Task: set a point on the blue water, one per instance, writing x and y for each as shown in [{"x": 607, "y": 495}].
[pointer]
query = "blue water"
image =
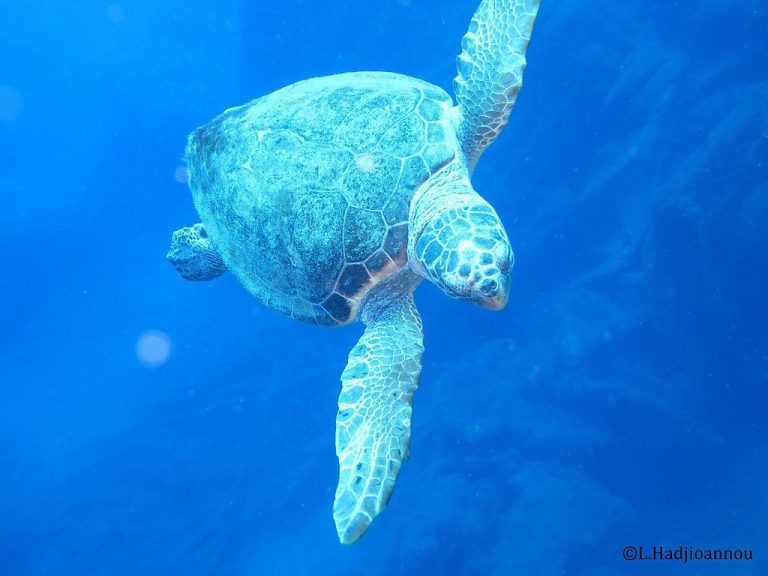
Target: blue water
[{"x": 619, "y": 400}]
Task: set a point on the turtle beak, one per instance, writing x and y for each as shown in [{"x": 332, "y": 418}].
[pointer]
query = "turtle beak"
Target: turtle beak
[
  {"x": 493, "y": 294},
  {"x": 496, "y": 303}
]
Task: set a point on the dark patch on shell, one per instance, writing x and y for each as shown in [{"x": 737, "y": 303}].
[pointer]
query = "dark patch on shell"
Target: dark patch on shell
[
  {"x": 338, "y": 307},
  {"x": 353, "y": 278},
  {"x": 377, "y": 262}
]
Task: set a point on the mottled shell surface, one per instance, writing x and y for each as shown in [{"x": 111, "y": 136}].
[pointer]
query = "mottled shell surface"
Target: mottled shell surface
[{"x": 305, "y": 192}]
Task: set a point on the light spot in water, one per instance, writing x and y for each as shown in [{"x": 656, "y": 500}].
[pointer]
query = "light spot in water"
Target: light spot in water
[
  {"x": 153, "y": 348},
  {"x": 365, "y": 163},
  {"x": 11, "y": 104},
  {"x": 181, "y": 175}
]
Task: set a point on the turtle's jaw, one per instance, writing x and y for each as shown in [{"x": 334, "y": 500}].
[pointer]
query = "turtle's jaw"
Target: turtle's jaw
[
  {"x": 490, "y": 290},
  {"x": 496, "y": 302},
  {"x": 492, "y": 293},
  {"x": 490, "y": 282}
]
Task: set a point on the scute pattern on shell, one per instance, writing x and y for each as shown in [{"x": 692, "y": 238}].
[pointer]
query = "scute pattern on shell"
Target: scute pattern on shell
[{"x": 305, "y": 192}]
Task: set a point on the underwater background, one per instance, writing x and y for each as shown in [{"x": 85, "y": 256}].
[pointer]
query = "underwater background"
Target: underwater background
[{"x": 154, "y": 426}]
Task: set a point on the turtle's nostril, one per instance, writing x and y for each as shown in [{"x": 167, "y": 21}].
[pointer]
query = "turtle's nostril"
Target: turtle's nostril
[{"x": 489, "y": 287}]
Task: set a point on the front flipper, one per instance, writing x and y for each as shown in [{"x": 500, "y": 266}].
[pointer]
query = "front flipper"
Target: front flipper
[
  {"x": 373, "y": 426},
  {"x": 490, "y": 70},
  {"x": 193, "y": 256}
]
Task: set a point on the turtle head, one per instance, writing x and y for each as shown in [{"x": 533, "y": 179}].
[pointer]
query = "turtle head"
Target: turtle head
[
  {"x": 192, "y": 255},
  {"x": 464, "y": 249}
]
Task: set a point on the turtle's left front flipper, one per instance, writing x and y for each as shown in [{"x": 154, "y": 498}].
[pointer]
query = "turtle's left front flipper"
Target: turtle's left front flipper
[
  {"x": 373, "y": 426},
  {"x": 490, "y": 70}
]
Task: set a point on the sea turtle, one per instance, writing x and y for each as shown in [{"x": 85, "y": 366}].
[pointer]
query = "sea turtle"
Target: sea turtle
[{"x": 331, "y": 199}]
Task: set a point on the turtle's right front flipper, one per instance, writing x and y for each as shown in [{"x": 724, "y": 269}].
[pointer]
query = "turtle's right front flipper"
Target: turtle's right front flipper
[
  {"x": 193, "y": 256},
  {"x": 373, "y": 426}
]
